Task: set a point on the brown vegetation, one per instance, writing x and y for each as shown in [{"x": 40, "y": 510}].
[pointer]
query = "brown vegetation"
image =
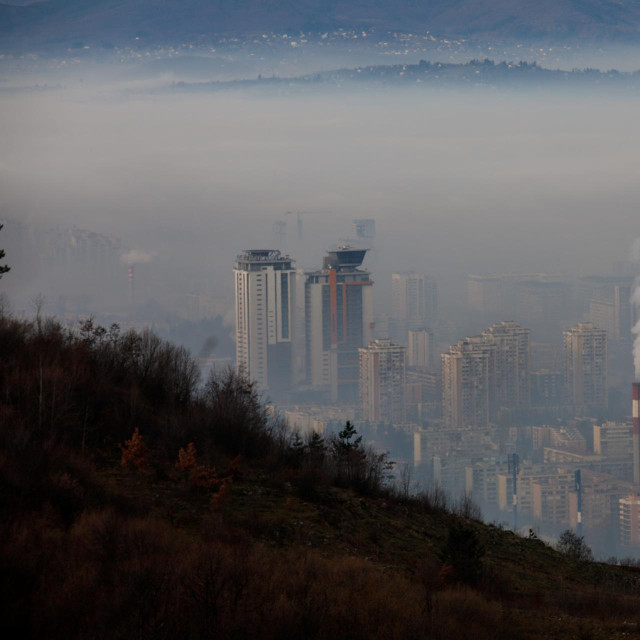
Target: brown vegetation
[{"x": 253, "y": 532}]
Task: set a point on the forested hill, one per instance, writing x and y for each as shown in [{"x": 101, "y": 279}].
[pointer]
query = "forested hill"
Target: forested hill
[
  {"x": 476, "y": 73},
  {"x": 175, "y": 21},
  {"x": 136, "y": 502}
]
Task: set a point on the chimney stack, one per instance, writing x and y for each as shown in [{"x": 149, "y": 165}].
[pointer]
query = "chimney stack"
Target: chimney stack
[{"x": 636, "y": 433}]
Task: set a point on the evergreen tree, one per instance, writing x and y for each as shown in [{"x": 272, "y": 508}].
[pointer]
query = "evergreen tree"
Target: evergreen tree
[
  {"x": 463, "y": 551},
  {"x": 317, "y": 448},
  {"x": 347, "y": 440},
  {"x": 297, "y": 450}
]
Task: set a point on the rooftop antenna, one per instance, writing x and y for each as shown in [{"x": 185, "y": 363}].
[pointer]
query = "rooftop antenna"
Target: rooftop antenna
[{"x": 578, "y": 487}]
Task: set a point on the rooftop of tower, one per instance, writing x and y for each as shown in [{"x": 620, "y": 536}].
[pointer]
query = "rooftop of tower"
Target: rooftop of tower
[
  {"x": 254, "y": 259},
  {"x": 344, "y": 257}
]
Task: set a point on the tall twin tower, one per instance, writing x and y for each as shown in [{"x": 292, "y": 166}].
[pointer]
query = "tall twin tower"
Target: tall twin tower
[{"x": 338, "y": 312}]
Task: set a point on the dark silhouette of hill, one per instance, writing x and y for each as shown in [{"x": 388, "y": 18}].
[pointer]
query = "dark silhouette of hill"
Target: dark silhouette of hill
[
  {"x": 476, "y": 73},
  {"x": 52, "y": 22},
  {"x": 136, "y": 503}
]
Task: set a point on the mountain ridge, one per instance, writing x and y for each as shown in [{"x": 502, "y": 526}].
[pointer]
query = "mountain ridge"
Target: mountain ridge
[{"x": 61, "y": 22}]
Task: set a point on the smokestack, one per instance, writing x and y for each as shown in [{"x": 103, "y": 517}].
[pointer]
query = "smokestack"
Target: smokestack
[
  {"x": 636, "y": 433},
  {"x": 131, "y": 290}
]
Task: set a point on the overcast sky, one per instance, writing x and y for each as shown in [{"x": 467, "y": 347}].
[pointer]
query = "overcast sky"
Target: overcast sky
[{"x": 458, "y": 181}]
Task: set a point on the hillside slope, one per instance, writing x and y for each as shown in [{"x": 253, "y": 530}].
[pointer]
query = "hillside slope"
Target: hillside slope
[
  {"x": 135, "y": 503},
  {"x": 174, "y": 21}
]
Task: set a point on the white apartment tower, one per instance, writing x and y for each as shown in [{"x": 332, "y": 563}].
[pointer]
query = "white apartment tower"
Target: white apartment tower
[
  {"x": 339, "y": 320},
  {"x": 585, "y": 365},
  {"x": 382, "y": 378},
  {"x": 265, "y": 303}
]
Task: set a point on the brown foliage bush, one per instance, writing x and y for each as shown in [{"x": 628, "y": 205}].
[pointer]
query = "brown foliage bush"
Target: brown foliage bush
[
  {"x": 222, "y": 496},
  {"x": 110, "y": 576},
  {"x": 464, "y": 614},
  {"x": 135, "y": 453},
  {"x": 187, "y": 458}
]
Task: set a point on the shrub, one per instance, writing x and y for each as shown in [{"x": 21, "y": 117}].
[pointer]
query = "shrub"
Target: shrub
[
  {"x": 464, "y": 614},
  {"x": 235, "y": 417},
  {"x": 464, "y": 552},
  {"x": 135, "y": 453},
  {"x": 574, "y": 546},
  {"x": 187, "y": 458}
]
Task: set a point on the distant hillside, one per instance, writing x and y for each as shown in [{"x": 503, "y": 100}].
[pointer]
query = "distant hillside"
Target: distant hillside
[
  {"x": 476, "y": 73},
  {"x": 63, "y": 22}
]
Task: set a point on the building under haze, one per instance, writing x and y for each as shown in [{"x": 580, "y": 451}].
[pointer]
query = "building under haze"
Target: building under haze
[
  {"x": 484, "y": 373},
  {"x": 413, "y": 303},
  {"x": 607, "y": 299},
  {"x": 585, "y": 365},
  {"x": 486, "y": 293},
  {"x": 547, "y": 388},
  {"x": 365, "y": 229},
  {"x": 382, "y": 380},
  {"x": 629, "y": 523},
  {"x": 265, "y": 300},
  {"x": 468, "y": 385},
  {"x": 339, "y": 321},
  {"x": 512, "y": 372},
  {"x": 540, "y": 298},
  {"x": 422, "y": 349}
]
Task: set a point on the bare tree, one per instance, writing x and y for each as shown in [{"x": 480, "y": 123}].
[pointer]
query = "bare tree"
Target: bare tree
[
  {"x": 3, "y": 267},
  {"x": 405, "y": 479}
]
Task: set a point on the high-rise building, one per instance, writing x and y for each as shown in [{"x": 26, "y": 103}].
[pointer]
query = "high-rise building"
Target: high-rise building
[
  {"x": 608, "y": 301},
  {"x": 512, "y": 377},
  {"x": 265, "y": 301},
  {"x": 612, "y": 439},
  {"x": 547, "y": 388},
  {"x": 585, "y": 360},
  {"x": 421, "y": 349},
  {"x": 382, "y": 380},
  {"x": 339, "y": 321},
  {"x": 414, "y": 302},
  {"x": 539, "y": 298},
  {"x": 629, "y": 531},
  {"x": 542, "y": 303},
  {"x": 365, "y": 229},
  {"x": 468, "y": 382},
  {"x": 299, "y": 372},
  {"x": 486, "y": 293}
]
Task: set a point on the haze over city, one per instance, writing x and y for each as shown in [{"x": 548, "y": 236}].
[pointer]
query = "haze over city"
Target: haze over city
[{"x": 410, "y": 233}]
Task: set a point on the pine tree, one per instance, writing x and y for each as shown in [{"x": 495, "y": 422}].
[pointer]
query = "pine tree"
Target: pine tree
[
  {"x": 297, "y": 450},
  {"x": 347, "y": 437},
  {"x": 317, "y": 448},
  {"x": 349, "y": 457},
  {"x": 464, "y": 552}
]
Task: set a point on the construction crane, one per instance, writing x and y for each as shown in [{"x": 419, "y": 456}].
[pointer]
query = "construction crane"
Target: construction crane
[
  {"x": 578, "y": 489},
  {"x": 299, "y": 215},
  {"x": 279, "y": 230}
]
